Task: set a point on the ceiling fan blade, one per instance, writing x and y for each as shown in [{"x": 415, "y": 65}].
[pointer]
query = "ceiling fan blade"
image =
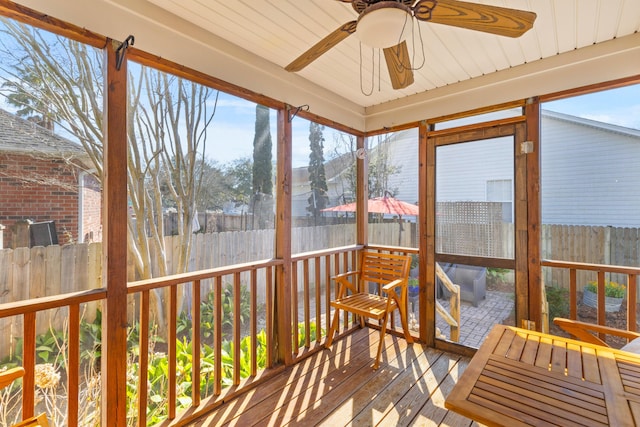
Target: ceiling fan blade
[
  {"x": 399, "y": 65},
  {"x": 480, "y": 17},
  {"x": 322, "y": 46}
]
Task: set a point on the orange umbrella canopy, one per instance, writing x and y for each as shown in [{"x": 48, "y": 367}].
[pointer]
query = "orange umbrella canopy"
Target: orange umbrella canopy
[{"x": 383, "y": 205}]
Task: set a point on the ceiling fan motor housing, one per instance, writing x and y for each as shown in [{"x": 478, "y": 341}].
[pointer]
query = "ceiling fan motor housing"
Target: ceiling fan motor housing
[{"x": 383, "y": 24}]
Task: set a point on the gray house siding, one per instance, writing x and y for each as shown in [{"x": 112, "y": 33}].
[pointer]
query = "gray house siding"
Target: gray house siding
[
  {"x": 590, "y": 172},
  {"x": 463, "y": 170},
  {"x": 403, "y": 153}
]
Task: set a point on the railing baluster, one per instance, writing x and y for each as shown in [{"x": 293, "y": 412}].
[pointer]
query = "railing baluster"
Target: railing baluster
[
  {"x": 217, "y": 335},
  {"x": 254, "y": 320},
  {"x": 318, "y": 297},
  {"x": 345, "y": 313},
  {"x": 307, "y": 308},
  {"x": 236, "y": 328},
  {"x": 270, "y": 302},
  {"x": 29, "y": 365},
  {"x": 601, "y": 301},
  {"x": 172, "y": 351},
  {"x": 294, "y": 304},
  {"x": 143, "y": 343},
  {"x": 327, "y": 301},
  {"x": 73, "y": 376},
  {"x": 195, "y": 343},
  {"x": 573, "y": 299},
  {"x": 601, "y": 270},
  {"x": 632, "y": 300},
  {"x": 332, "y": 283}
]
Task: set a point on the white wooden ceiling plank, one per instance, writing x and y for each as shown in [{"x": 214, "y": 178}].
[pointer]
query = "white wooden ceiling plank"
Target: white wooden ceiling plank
[
  {"x": 280, "y": 30},
  {"x": 449, "y": 68},
  {"x": 565, "y": 24},
  {"x": 587, "y": 12},
  {"x": 608, "y": 19},
  {"x": 629, "y": 18},
  {"x": 544, "y": 30}
]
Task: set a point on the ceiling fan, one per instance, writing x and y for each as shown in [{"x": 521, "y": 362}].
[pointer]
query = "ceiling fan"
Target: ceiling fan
[{"x": 381, "y": 24}]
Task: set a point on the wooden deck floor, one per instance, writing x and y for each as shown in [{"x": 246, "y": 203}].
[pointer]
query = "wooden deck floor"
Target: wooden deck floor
[{"x": 338, "y": 387}]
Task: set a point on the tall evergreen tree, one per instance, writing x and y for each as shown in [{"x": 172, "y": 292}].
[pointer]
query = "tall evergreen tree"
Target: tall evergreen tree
[
  {"x": 318, "y": 199},
  {"x": 262, "y": 153}
]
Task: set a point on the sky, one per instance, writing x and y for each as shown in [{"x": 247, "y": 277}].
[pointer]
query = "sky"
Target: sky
[
  {"x": 235, "y": 121},
  {"x": 616, "y": 106}
]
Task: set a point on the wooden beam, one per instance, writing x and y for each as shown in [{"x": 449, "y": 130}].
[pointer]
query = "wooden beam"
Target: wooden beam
[
  {"x": 114, "y": 318},
  {"x": 41, "y": 20}
]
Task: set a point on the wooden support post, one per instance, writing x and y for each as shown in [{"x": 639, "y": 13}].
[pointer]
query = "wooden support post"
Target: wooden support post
[
  {"x": 534, "y": 219},
  {"x": 362, "y": 194},
  {"x": 427, "y": 244},
  {"x": 528, "y": 295},
  {"x": 282, "y": 308},
  {"x": 114, "y": 319}
]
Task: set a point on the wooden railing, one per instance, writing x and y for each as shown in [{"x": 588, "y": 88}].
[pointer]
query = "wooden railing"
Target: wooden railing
[
  {"x": 452, "y": 317},
  {"x": 601, "y": 271},
  {"x": 144, "y": 289},
  {"x": 236, "y": 366},
  {"x": 312, "y": 290}
]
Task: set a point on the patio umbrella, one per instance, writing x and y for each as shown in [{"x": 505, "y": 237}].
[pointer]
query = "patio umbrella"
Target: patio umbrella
[{"x": 382, "y": 205}]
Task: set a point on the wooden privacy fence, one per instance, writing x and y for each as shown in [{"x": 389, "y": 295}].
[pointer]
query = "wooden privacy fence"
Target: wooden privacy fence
[
  {"x": 27, "y": 273},
  {"x": 588, "y": 244}
]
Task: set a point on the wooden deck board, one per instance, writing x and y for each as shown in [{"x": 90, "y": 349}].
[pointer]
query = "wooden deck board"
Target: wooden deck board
[{"x": 338, "y": 387}]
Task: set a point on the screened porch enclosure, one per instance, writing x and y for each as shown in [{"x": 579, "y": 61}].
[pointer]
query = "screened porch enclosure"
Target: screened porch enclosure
[{"x": 192, "y": 282}]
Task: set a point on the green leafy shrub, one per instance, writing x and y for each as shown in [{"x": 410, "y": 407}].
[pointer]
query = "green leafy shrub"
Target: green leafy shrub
[
  {"x": 611, "y": 289},
  {"x": 558, "y": 299},
  {"x": 207, "y": 312}
]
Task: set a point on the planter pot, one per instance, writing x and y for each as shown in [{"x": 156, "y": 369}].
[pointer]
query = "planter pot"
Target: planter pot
[{"x": 611, "y": 304}]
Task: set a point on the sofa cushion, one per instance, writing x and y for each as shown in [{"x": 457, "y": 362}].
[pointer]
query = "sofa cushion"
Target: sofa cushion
[{"x": 633, "y": 346}]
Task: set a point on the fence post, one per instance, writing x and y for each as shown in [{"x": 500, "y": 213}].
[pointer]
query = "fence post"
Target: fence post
[{"x": 21, "y": 237}]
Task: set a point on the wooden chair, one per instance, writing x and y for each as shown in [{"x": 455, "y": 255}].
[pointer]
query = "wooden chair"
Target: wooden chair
[
  {"x": 588, "y": 332},
  {"x": 389, "y": 273},
  {"x": 6, "y": 378}
]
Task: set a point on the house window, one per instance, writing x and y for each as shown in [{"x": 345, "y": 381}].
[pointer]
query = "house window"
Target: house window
[{"x": 501, "y": 190}]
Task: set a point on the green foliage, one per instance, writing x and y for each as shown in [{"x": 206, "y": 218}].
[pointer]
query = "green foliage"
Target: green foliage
[
  {"x": 262, "y": 148},
  {"x": 91, "y": 338},
  {"x": 497, "y": 273},
  {"x": 302, "y": 333},
  {"x": 318, "y": 199},
  {"x": 558, "y": 299},
  {"x": 415, "y": 260},
  {"x": 207, "y": 320},
  {"x": 611, "y": 289},
  {"x": 239, "y": 175},
  {"x": 51, "y": 349}
]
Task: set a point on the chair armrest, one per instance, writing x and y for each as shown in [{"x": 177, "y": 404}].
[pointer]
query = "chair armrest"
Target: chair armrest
[
  {"x": 342, "y": 275},
  {"x": 390, "y": 287},
  {"x": 585, "y": 331},
  {"x": 341, "y": 279},
  {"x": 8, "y": 376}
]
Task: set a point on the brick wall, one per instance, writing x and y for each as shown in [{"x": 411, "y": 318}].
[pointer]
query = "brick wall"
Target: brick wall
[
  {"x": 91, "y": 209},
  {"x": 44, "y": 189}
]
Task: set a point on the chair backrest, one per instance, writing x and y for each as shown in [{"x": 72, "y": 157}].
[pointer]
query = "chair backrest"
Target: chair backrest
[{"x": 384, "y": 268}]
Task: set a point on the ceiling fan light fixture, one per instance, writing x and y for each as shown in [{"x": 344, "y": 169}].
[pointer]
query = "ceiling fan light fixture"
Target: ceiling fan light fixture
[{"x": 382, "y": 24}]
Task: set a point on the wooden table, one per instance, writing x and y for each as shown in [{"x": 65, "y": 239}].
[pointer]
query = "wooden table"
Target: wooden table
[{"x": 520, "y": 377}]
